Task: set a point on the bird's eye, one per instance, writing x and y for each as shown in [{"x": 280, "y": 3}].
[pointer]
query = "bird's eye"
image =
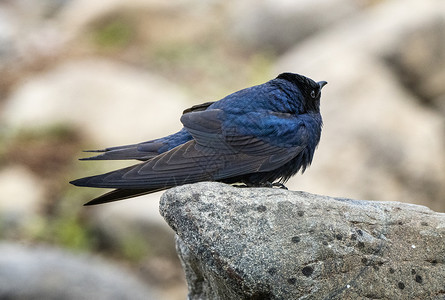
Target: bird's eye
[{"x": 313, "y": 94}]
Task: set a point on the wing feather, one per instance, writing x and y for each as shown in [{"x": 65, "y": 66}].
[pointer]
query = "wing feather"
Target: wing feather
[{"x": 211, "y": 155}]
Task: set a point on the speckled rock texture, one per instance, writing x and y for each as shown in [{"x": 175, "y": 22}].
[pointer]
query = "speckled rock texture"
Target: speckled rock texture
[{"x": 262, "y": 243}]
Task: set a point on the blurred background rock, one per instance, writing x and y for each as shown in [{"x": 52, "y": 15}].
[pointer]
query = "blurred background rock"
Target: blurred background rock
[{"x": 81, "y": 74}]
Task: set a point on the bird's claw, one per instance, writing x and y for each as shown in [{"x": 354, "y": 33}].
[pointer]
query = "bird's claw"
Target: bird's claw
[
  {"x": 265, "y": 184},
  {"x": 279, "y": 185},
  {"x": 242, "y": 185}
]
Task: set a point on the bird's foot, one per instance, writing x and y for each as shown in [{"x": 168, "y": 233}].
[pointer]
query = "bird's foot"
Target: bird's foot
[
  {"x": 241, "y": 185},
  {"x": 273, "y": 185},
  {"x": 265, "y": 184},
  {"x": 279, "y": 185}
]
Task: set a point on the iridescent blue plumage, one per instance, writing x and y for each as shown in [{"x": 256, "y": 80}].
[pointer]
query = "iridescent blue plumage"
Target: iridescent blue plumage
[{"x": 255, "y": 136}]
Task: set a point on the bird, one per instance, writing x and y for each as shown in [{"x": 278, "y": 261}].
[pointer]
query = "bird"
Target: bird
[{"x": 256, "y": 137}]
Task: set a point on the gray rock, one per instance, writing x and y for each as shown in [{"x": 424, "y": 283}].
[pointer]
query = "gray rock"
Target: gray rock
[
  {"x": 247, "y": 243},
  {"x": 47, "y": 273}
]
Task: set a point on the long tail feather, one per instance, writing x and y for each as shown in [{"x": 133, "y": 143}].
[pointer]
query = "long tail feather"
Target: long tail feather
[{"x": 120, "y": 194}]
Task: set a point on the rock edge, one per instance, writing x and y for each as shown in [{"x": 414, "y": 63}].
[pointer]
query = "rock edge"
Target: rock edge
[{"x": 260, "y": 243}]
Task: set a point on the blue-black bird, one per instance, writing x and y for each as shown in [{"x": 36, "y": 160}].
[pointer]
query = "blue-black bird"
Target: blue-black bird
[{"x": 258, "y": 136}]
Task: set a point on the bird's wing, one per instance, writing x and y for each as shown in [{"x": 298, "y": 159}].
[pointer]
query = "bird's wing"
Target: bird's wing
[
  {"x": 183, "y": 164},
  {"x": 119, "y": 194},
  {"x": 244, "y": 149},
  {"x": 146, "y": 150},
  {"x": 142, "y": 151},
  {"x": 211, "y": 155},
  {"x": 198, "y": 107}
]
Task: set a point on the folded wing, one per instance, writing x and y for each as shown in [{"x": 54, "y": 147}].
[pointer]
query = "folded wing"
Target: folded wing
[{"x": 211, "y": 155}]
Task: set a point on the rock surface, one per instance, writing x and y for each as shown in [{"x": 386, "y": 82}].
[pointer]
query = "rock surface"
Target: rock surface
[
  {"x": 239, "y": 243},
  {"x": 49, "y": 273}
]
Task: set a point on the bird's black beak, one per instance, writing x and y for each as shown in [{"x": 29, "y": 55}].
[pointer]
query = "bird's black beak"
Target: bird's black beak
[{"x": 322, "y": 84}]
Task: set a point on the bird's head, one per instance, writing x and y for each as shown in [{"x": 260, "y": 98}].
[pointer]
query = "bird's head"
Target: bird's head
[{"x": 309, "y": 90}]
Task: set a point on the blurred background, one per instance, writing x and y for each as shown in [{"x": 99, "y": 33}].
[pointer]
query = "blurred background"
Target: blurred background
[{"x": 82, "y": 74}]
